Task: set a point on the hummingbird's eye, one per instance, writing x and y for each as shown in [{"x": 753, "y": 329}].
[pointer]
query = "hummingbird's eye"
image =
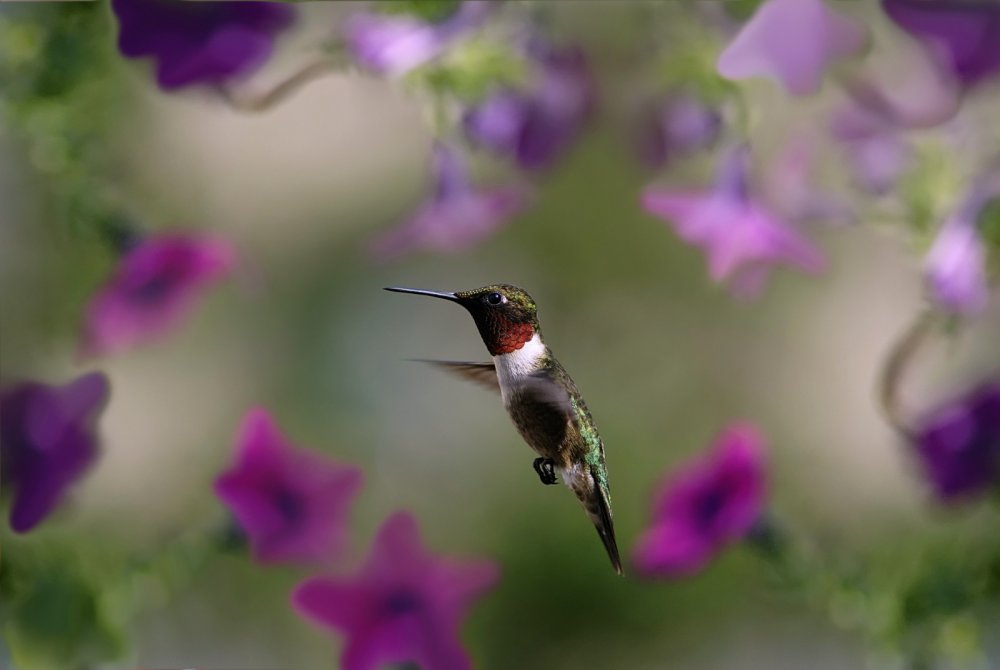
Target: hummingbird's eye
[{"x": 495, "y": 298}]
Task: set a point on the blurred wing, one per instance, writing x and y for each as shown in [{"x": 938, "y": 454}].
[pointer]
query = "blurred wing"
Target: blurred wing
[
  {"x": 546, "y": 407},
  {"x": 546, "y": 392},
  {"x": 484, "y": 374}
]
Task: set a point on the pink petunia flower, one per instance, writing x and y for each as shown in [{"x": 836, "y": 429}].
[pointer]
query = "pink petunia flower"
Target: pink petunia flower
[
  {"x": 793, "y": 42},
  {"x": 404, "y": 605},
  {"x": 157, "y": 283},
  {"x": 456, "y": 217},
  {"x": 955, "y": 267},
  {"x": 291, "y": 503},
  {"x": 395, "y": 44},
  {"x": 704, "y": 506},
  {"x": 740, "y": 237}
]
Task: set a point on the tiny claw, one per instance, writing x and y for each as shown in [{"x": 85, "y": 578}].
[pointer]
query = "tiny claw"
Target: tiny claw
[{"x": 546, "y": 469}]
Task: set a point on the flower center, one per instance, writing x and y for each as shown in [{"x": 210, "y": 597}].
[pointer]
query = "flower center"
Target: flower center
[
  {"x": 153, "y": 290},
  {"x": 288, "y": 504},
  {"x": 708, "y": 506},
  {"x": 402, "y": 602}
]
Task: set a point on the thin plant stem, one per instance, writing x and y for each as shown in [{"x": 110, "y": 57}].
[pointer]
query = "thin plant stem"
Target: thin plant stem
[
  {"x": 900, "y": 358},
  {"x": 279, "y": 93}
]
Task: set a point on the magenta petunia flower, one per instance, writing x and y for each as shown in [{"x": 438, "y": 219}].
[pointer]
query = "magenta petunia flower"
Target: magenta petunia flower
[
  {"x": 705, "y": 506},
  {"x": 291, "y": 503},
  {"x": 959, "y": 444},
  {"x": 157, "y": 282},
  {"x": 404, "y": 605},
  {"x": 955, "y": 266},
  {"x": 793, "y": 42},
  {"x": 962, "y": 35},
  {"x": 536, "y": 125},
  {"x": 456, "y": 217},
  {"x": 47, "y": 441},
  {"x": 741, "y": 238},
  {"x": 395, "y": 44},
  {"x": 674, "y": 126},
  {"x": 199, "y": 42}
]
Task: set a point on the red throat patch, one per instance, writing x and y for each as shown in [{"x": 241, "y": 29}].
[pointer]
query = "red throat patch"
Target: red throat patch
[{"x": 512, "y": 337}]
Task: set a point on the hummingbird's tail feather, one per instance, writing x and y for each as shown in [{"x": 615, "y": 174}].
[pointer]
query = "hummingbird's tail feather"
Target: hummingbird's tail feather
[{"x": 586, "y": 484}]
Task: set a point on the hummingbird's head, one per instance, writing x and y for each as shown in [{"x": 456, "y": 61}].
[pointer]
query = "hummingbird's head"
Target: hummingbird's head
[{"x": 505, "y": 315}]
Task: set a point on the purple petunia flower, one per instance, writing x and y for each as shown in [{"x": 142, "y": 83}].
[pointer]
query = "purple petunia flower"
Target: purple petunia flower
[
  {"x": 706, "y": 505},
  {"x": 158, "y": 281},
  {"x": 878, "y": 161},
  {"x": 740, "y": 237},
  {"x": 955, "y": 266},
  {"x": 291, "y": 503},
  {"x": 962, "y": 35},
  {"x": 47, "y": 441},
  {"x": 199, "y": 42},
  {"x": 871, "y": 127},
  {"x": 456, "y": 217},
  {"x": 538, "y": 124},
  {"x": 959, "y": 444},
  {"x": 394, "y": 45},
  {"x": 793, "y": 42},
  {"x": 405, "y": 605},
  {"x": 675, "y": 126}
]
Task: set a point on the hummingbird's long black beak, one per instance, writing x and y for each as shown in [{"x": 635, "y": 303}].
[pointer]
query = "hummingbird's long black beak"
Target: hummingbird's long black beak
[{"x": 447, "y": 295}]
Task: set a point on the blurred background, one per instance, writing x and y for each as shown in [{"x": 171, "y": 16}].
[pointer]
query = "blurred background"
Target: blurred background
[{"x": 664, "y": 357}]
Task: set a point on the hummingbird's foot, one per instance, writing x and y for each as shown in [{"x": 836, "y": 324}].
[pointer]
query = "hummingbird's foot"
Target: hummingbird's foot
[{"x": 546, "y": 469}]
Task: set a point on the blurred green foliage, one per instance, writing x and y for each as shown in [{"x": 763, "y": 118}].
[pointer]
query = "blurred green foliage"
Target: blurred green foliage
[
  {"x": 428, "y": 10},
  {"x": 59, "y": 100},
  {"x": 470, "y": 71},
  {"x": 54, "y": 613}
]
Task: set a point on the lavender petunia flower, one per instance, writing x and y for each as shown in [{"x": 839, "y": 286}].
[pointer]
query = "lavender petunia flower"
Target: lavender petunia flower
[
  {"x": 158, "y": 281},
  {"x": 405, "y": 605},
  {"x": 291, "y": 503},
  {"x": 793, "y": 42},
  {"x": 875, "y": 148},
  {"x": 956, "y": 263},
  {"x": 872, "y": 125},
  {"x": 959, "y": 444},
  {"x": 675, "y": 126},
  {"x": 956, "y": 268},
  {"x": 538, "y": 124},
  {"x": 394, "y": 45},
  {"x": 47, "y": 441},
  {"x": 456, "y": 217},
  {"x": 706, "y": 505},
  {"x": 740, "y": 237},
  {"x": 200, "y": 42},
  {"x": 963, "y": 35}
]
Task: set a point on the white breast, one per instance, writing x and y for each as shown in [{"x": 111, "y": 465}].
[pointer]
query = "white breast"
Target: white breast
[{"x": 518, "y": 363}]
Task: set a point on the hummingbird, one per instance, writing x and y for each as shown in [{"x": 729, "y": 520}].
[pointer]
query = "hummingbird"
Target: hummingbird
[{"x": 539, "y": 395}]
